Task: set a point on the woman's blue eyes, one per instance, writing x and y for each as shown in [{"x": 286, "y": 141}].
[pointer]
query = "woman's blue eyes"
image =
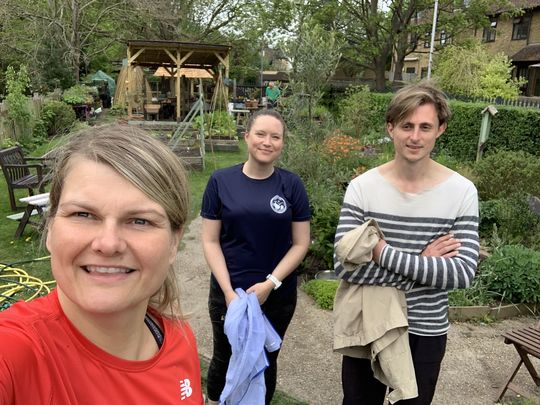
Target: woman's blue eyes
[{"x": 136, "y": 221}]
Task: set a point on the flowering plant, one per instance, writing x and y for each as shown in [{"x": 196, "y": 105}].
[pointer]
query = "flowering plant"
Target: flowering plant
[{"x": 340, "y": 146}]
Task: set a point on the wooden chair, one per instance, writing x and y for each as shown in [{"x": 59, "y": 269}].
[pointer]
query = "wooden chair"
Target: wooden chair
[
  {"x": 20, "y": 173},
  {"x": 527, "y": 343}
]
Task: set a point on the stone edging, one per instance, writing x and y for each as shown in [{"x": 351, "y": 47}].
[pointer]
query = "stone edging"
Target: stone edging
[{"x": 500, "y": 312}]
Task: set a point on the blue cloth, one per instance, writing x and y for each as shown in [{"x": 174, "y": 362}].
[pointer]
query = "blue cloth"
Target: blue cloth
[
  {"x": 248, "y": 331},
  {"x": 256, "y": 221}
]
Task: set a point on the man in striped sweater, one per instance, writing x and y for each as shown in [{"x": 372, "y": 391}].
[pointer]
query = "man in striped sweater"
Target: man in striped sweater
[{"x": 429, "y": 217}]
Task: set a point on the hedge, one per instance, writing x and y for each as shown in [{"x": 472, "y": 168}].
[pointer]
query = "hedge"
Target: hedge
[{"x": 512, "y": 128}]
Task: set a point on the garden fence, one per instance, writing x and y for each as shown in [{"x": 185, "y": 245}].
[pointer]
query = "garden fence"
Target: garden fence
[
  {"x": 526, "y": 102},
  {"x": 7, "y": 129}
]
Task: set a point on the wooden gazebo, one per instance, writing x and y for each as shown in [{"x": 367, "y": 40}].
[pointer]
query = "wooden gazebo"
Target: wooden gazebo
[{"x": 173, "y": 56}]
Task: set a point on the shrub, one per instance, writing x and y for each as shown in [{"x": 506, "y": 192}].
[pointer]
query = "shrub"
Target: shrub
[
  {"x": 360, "y": 111},
  {"x": 56, "y": 118},
  {"x": 79, "y": 94},
  {"x": 217, "y": 123},
  {"x": 510, "y": 220},
  {"x": 513, "y": 273},
  {"x": 322, "y": 291},
  {"x": 513, "y": 128},
  {"x": 505, "y": 173}
]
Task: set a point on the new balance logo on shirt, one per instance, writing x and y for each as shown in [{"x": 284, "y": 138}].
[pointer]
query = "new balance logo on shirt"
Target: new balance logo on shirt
[{"x": 185, "y": 389}]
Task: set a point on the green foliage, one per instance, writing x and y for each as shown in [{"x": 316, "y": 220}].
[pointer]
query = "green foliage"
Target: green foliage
[
  {"x": 56, "y": 118},
  {"x": 512, "y": 129},
  {"x": 325, "y": 215},
  {"x": 322, "y": 291},
  {"x": 315, "y": 54},
  {"x": 216, "y": 123},
  {"x": 359, "y": 112},
  {"x": 509, "y": 220},
  {"x": 472, "y": 71},
  {"x": 79, "y": 94},
  {"x": 17, "y": 83},
  {"x": 513, "y": 272},
  {"x": 505, "y": 173},
  {"x": 324, "y": 185}
]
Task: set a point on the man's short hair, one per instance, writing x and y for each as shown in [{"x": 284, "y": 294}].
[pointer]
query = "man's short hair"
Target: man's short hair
[{"x": 410, "y": 97}]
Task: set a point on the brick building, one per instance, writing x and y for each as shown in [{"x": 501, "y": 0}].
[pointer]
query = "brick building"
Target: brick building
[{"x": 517, "y": 37}]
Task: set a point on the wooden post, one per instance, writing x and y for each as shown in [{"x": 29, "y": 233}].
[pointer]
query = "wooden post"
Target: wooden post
[
  {"x": 178, "y": 88},
  {"x": 129, "y": 84}
]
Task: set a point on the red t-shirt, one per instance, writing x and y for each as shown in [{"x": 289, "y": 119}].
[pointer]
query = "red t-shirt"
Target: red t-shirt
[{"x": 45, "y": 360}]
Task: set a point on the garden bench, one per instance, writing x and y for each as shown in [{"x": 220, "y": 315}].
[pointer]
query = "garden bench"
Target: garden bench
[
  {"x": 527, "y": 343},
  {"x": 22, "y": 172},
  {"x": 35, "y": 205}
]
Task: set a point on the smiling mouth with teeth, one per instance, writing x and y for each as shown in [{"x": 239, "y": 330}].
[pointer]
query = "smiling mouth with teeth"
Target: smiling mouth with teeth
[{"x": 107, "y": 270}]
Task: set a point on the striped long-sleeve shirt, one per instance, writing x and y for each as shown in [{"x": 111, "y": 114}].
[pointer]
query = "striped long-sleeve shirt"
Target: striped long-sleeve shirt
[{"x": 410, "y": 222}]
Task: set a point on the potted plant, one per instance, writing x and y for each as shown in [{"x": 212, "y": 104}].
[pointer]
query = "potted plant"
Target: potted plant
[{"x": 81, "y": 98}]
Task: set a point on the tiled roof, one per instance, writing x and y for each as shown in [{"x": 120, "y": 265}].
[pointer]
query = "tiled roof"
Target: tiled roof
[
  {"x": 529, "y": 53},
  {"x": 526, "y": 3}
]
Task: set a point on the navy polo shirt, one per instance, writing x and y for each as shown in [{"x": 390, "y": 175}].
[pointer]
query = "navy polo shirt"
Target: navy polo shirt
[{"x": 256, "y": 221}]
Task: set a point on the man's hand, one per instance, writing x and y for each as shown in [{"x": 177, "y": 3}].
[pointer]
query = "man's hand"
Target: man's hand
[{"x": 444, "y": 246}]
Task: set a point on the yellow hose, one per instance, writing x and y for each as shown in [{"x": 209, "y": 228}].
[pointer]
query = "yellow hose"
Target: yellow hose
[{"x": 14, "y": 280}]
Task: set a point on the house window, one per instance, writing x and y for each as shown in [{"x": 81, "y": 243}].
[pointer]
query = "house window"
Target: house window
[
  {"x": 427, "y": 40},
  {"x": 489, "y": 32},
  {"x": 521, "y": 27},
  {"x": 443, "y": 38},
  {"x": 423, "y": 73},
  {"x": 411, "y": 70}
]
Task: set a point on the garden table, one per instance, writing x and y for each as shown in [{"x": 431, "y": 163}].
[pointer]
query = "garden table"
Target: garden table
[{"x": 35, "y": 205}]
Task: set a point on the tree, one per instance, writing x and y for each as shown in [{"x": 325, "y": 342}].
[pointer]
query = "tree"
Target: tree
[
  {"x": 17, "y": 83},
  {"x": 314, "y": 56},
  {"x": 471, "y": 71},
  {"x": 371, "y": 29}
]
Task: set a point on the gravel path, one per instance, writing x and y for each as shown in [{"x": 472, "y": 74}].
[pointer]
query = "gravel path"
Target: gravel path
[{"x": 476, "y": 364}]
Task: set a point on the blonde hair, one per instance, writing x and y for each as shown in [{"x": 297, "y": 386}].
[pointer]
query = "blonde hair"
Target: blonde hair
[
  {"x": 410, "y": 97},
  {"x": 146, "y": 163}
]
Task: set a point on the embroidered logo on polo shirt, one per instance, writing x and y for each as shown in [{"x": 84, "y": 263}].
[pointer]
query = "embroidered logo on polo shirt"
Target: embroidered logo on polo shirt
[
  {"x": 278, "y": 204},
  {"x": 185, "y": 389}
]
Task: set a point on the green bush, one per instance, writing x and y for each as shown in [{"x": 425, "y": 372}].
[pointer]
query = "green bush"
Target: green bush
[
  {"x": 513, "y": 273},
  {"x": 505, "y": 173},
  {"x": 216, "y": 123},
  {"x": 79, "y": 94},
  {"x": 510, "y": 220},
  {"x": 322, "y": 291},
  {"x": 362, "y": 112},
  {"x": 56, "y": 118},
  {"x": 513, "y": 128}
]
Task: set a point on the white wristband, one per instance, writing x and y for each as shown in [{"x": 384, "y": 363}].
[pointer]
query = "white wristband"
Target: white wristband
[{"x": 274, "y": 280}]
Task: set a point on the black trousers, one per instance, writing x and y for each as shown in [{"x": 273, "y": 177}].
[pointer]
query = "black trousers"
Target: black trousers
[
  {"x": 279, "y": 310},
  {"x": 360, "y": 387}
]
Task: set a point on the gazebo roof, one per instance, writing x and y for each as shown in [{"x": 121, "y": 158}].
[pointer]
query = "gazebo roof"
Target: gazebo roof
[{"x": 158, "y": 53}]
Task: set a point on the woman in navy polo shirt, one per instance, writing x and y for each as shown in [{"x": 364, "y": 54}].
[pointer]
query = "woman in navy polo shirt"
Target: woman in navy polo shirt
[{"x": 255, "y": 233}]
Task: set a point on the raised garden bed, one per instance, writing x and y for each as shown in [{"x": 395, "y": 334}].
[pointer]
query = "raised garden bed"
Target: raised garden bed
[
  {"x": 229, "y": 145},
  {"x": 500, "y": 312}
]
